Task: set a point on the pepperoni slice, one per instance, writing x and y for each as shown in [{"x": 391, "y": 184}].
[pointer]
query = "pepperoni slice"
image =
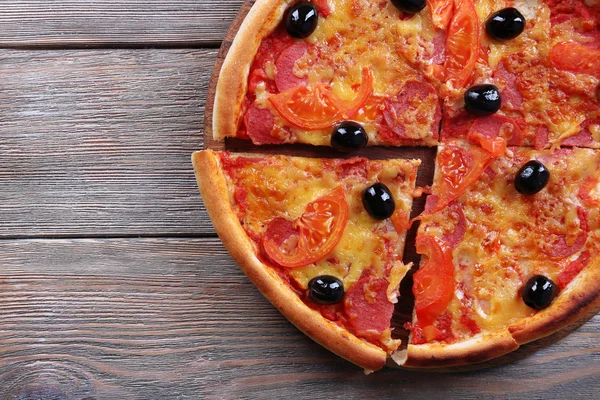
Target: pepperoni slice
[
  {"x": 457, "y": 126},
  {"x": 494, "y": 126},
  {"x": 415, "y": 105},
  {"x": 453, "y": 238},
  {"x": 510, "y": 94},
  {"x": 573, "y": 269},
  {"x": 560, "y": 248},
  {"x": 583, "y": 138},
  {"x": 572, "y": 10},
  {"x": 355, "y": 167},
  {"x": 259, "y": 125},
  {"x": 285, "y": 78},
  {"x": 541, "y": 137},
  {"x": 439, "y": 48},
  {"x": 367, "y": 306}
]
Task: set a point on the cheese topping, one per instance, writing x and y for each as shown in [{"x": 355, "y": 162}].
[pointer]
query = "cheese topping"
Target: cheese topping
[
  {"x": 510, "y": 237},
  {"x": 361, "y": 34},
  {"x": 270, "y": 187}
]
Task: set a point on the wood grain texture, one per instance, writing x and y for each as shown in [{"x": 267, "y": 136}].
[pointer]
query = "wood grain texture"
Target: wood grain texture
[
  {"x": 94, "y": 23},
  {"x": 98, "y": 142},
  {"x": 175, "y": 318}
]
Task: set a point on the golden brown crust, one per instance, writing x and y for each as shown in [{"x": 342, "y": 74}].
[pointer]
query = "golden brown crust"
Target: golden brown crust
[
  {"x": 263, "y": 18},
  {"x": 436, "y": 355},
  {"x": 580, "y": 297},
  {"x": 213, "y": 188}
]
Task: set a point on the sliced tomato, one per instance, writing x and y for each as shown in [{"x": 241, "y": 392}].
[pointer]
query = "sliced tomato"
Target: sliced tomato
[
  {"x": 400, "y": 220},
  {"x": 574, "y": 57},
  {"x": 441, "y": 12},
  {"x": 494, "y": 145},
  {"x": 364, "y": 92},
  {"x": 314, "y": 107},
  {"x": 307, "y": 107},
  {"x": 458, "y": 169},
  {"x": 434, "y": 283},
  {"x": 462, "y": 44},
  {"x": 312, "y": 236}
]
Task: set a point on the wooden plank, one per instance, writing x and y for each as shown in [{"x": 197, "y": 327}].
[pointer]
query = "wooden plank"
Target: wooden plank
[
  {"x": 172, "y": 318},
  {"x": 92, "y": 23},
  {"x": 99, "y": 142}
]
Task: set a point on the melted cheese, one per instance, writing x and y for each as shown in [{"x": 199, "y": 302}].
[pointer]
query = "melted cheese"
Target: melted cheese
[
  {"x": 509, "y": 237},
  {"x": 362, "y": 34},
  {"x": 560, "y": 103},
  {"x": 283, "y": 186}
]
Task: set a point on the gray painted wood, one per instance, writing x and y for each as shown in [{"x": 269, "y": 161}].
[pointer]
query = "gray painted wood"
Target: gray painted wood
[
  {"x": 98, "y": 142},
  {"x": 162, "y": 318},
  {"x": 93, "y": 23}
]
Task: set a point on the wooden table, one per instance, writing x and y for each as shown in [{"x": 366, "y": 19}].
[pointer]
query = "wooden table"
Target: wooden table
[{"x": 113, "y": 283}]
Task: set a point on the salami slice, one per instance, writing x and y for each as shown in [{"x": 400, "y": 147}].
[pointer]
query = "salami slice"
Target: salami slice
[
  {"x": 414, "y": 112},
  {"x": 367, "y": 306},
  {"x": 259, "y": 125},
  {"x": 285, "y": 78}
]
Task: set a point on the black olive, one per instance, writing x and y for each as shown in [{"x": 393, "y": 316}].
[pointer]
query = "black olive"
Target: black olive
[
  {"x": 539, "y": 292},
  {"x": 378, "y": 201},
  {"x": 325, "y": 289},
  {"x": 531, "y": 178},
  {"x": 505, "y": 24},
  {"x": 348, "y": 136},
  {"x": 482, "y": 99},
  {"x": 409, "y": 6},
  {"x": 301, "y": 19}
]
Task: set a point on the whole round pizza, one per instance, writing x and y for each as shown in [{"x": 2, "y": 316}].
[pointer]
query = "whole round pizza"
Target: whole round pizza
[{"x": 508, "y": 94}]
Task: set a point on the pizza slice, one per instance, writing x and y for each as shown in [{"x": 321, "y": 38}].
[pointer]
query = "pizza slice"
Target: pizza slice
[
  {"x": 322, "y": 239},
  {"x": 541, "y": 62},
  {"x": 298, "y": 72},
  {"x": 510, "y": 251}
]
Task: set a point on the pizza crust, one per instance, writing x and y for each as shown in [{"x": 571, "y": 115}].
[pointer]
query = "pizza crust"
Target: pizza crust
[
  {"x": 213, "y": 188},
  {"x": 475, "y": 350},
  {"x": 233, "y": 78},
  {"x": 581, "y": 297}
]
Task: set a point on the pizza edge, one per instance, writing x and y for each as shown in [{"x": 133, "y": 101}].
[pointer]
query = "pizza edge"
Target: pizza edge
[
  {"x": 474, "y": 350},
  {"x": 213, "y": 188},
  {"x": 581, "y": 297},
  {"x": 577, "y": 302},
  {"x": 233, "y": 77}
]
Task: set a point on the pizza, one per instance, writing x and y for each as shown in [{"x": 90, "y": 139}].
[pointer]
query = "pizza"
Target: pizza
[
  {"x": 547, "y": 78},
  {"x": 321, "y": 238},
  {"x": 358, "y": 64},
  {"x": 508, "y": 94},
  {"x": 486, "y": 243}
]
